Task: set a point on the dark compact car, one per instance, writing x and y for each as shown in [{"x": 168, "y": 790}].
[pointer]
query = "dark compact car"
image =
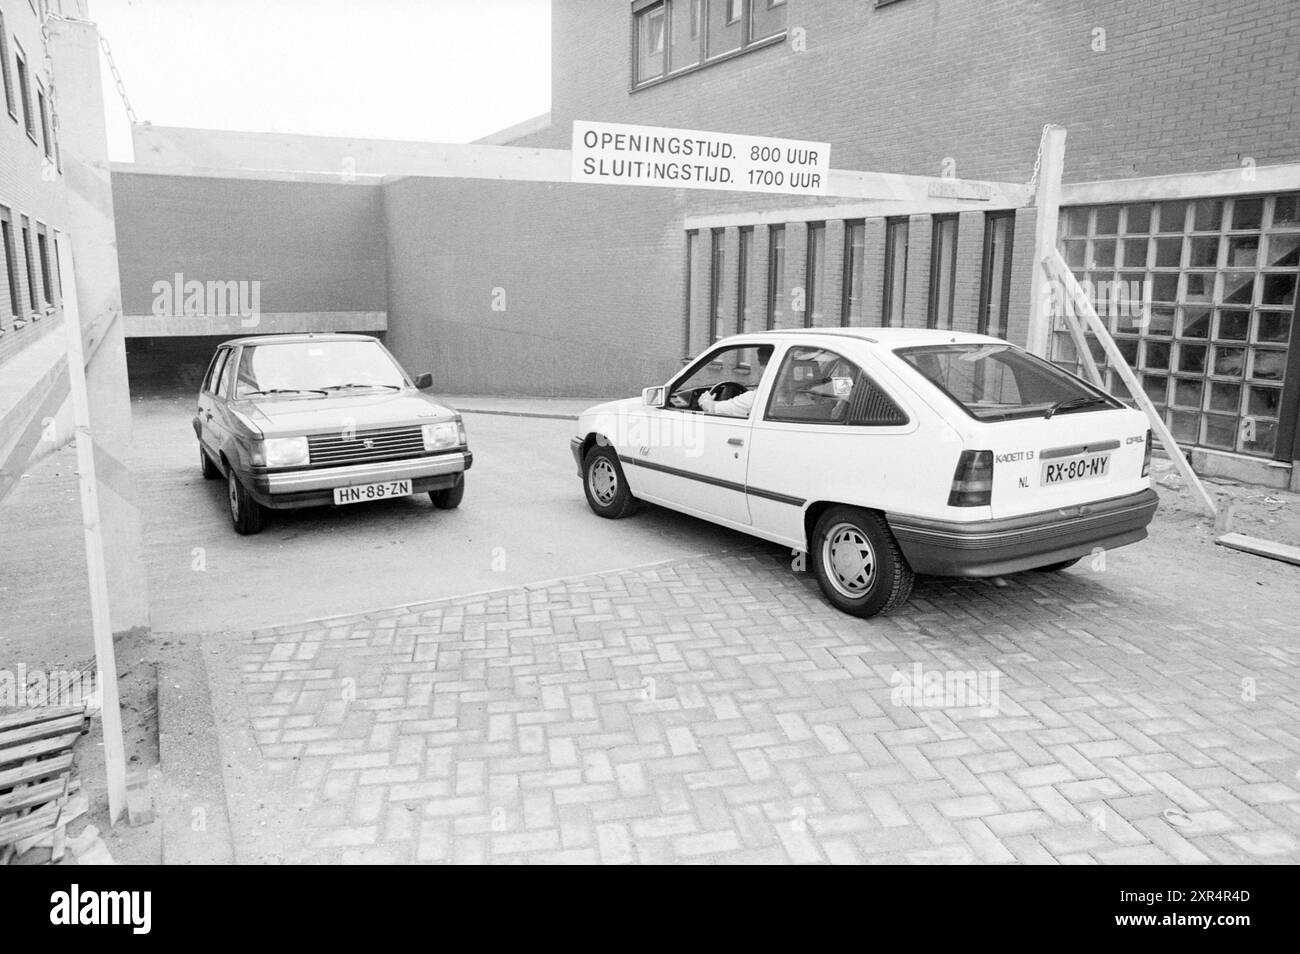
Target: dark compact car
[{"x": 312, "y": 419}]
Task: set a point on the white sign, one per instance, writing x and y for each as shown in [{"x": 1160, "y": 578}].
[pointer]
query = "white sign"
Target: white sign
[{"x": 619, "y": 154}]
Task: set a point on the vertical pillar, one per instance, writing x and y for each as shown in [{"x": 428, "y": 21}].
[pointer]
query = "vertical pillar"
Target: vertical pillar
[{"x": 1047, "y": 201}]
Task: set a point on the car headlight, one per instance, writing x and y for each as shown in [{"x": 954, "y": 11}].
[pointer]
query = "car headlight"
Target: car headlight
[
  {"x": 281, "y": 452},
  {"x": 443, "y": 436}
]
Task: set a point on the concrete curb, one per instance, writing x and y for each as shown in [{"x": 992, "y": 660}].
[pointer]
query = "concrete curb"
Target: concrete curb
[{"x": 195, "y": 818}]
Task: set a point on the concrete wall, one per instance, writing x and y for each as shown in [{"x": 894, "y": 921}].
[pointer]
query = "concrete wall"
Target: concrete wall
[
  {"x": 530, "y": 288},
  {"x": 314, "y": 247}
]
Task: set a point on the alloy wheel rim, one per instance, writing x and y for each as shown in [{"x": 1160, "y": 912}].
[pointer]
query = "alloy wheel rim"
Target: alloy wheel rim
[
  {"x": 850, "y": 560},
  {"x": 604, "y": 481},
  {"x": 233, "y": 494}
]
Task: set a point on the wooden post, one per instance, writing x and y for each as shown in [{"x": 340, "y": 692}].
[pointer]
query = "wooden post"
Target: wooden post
[
  {"x": 1054, "y": 267},
  {"x": 1048, "y": 202},
  {"x": 96, "y": 572}
]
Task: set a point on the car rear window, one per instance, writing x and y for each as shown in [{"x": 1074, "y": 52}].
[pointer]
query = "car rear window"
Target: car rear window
[{"x": 996, "y": 382}]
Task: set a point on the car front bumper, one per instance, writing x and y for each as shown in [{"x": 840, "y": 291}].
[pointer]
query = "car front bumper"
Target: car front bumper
[
  {"x": 1013, "y": 544},
  {"x": 575, "y": 448},
  {"x": 282, "y": 490}
]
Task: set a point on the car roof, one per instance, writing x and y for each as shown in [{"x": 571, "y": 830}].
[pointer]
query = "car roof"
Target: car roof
[
  {"x": 886, "y": 337},
  {"x": 298, "y": 338}
]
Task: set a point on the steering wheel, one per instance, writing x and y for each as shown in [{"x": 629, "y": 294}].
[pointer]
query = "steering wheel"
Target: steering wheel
[{"x": 726, "y": 390}]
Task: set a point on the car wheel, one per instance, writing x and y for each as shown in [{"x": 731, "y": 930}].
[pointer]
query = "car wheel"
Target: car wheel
[
  {"x": 606, "y": 487},
  {"x": 449, "y": 497},
  {"x": 245, "y": 513},
  {"x": 1057, "y": 567},
  {"x": 210, "y": 470},
  {"x": 857, "y": 562}
]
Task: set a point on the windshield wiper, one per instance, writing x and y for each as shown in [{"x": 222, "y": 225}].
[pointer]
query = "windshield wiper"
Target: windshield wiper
[
  {"x": 350, "y": 385},
  {"x": 289, "y": 391},
  {"x": 1085, "y": 401}
]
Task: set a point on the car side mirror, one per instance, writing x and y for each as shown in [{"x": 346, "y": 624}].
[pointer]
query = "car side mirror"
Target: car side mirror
[
  {"x": 423, "y": 381},
  {"x": 654, "y": 397}
]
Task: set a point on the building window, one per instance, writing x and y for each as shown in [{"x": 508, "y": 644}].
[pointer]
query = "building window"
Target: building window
[
  {"x": 775, "y": 275},
  {"x": 31, "y": 266},
  {"x": 24, "y": 93},
  {"x": 43, "y": 252},
  {"x": 5, "y": 78},
  {"x": 650, "y": 28},
  {"x": 744, "y": 279},
  {"x": 1200, "y": 296},
  {"x": 767, "y": 18},
  {"x": 688, "y": 310},
  {"x": 717, "y": 268},
  {"x": 673, "y": 36},
  {"x": 11, "y": 263},
  {"x": 687, "y": 30},
  {"x": 895, "y": 271},
  {"x": 943, "y": 272},
  {"x": 995, "y": 273},
  {"x": 855, "y": 252},
  {"x": 44, "y": 111},
  {"x": 815, "y": 274}
]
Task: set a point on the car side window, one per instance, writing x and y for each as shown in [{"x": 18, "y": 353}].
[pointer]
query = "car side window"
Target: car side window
[
  {"x": 730, "y": 376},
  {"x": 223, "y": 381},
  {"x": 818, "y": 386},
  {"x": 214, "y": 369}
]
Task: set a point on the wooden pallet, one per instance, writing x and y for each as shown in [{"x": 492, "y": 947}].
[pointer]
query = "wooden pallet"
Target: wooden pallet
[{"x": 37, "y": 792}]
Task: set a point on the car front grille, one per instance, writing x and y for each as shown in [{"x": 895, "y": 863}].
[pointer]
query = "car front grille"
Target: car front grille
[{"x": 364, "y": 447}]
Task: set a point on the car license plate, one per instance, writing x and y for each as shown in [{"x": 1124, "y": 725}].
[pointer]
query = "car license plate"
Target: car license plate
[
  {"x": 1071, "y": 469},
  {"x": 364, "y": 492}
]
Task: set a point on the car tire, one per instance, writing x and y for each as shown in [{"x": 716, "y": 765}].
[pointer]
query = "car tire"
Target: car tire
[
  {"x": 449, "y": 498},
  {"x": 604, "y": 484},
  {"x": 246, "y": 514},
  {"x": 209, "y": 470},
  {"x": 857, "y": 562},
  {"x": 1057, "y": 567}
]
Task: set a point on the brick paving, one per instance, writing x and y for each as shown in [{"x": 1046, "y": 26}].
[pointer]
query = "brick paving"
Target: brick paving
[{"x": 717, "y": 710}]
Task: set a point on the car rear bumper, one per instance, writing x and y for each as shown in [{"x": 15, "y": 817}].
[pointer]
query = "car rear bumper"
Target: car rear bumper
[
  {"x": 1012, "y": 544},
  {"x": 310, "y": 488}
]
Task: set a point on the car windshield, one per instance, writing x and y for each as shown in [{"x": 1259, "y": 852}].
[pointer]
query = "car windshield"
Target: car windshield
[
  {"x": 994, "y": 382},
  {"x": 316, "y": 369}
]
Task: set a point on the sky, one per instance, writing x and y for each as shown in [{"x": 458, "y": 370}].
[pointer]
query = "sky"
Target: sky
[{"x": 432, "y": 70}]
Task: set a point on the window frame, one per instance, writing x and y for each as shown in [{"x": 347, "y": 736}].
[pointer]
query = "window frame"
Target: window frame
[
  {"x": 29, "y": 265},
  {"x": 711, "y": 355},
  {"x": 775, "y": 274},
  {"x": 892, "y": 225},
  {"x": 748, "y": 44},
  {"x": 744, "y": 269},
  {"x": 850, "y": 273},
  {"x": 43, "y": 262},
  {"x": 938, "y": 224},
  {"x": 5, "y": 75},
  {"x": 8, "y": 248},
  {"x": 814, "y": 279},
  {"x": 717, "y": 275},
  {"x": 991, "y": 221},
  {"x": 28, "y": 121}
]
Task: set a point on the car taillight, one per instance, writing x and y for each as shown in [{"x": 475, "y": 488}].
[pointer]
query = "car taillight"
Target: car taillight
[
  {"x": 1146, "y": 456},
  {"x": 972, "y": 482}
]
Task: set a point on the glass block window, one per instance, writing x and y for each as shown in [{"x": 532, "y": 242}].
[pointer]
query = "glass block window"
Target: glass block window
[{"x": 1199, "y": 295}]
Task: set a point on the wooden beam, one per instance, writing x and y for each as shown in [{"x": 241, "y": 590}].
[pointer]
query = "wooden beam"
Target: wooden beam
[
  {"x": 1048, "y": 203},
  {"x": 96, "y": 568}
]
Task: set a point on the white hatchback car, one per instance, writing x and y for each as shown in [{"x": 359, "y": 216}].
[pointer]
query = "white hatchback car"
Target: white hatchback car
[{"x": 880, "y": 453}]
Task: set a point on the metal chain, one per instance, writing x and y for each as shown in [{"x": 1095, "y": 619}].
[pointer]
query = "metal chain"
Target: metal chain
[
  {"x": 103, "y": 45},
  {"x": 1038, "y": 160}
]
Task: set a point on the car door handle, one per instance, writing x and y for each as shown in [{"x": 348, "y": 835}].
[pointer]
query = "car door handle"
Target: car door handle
[{"x": 735, "y": 442}]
